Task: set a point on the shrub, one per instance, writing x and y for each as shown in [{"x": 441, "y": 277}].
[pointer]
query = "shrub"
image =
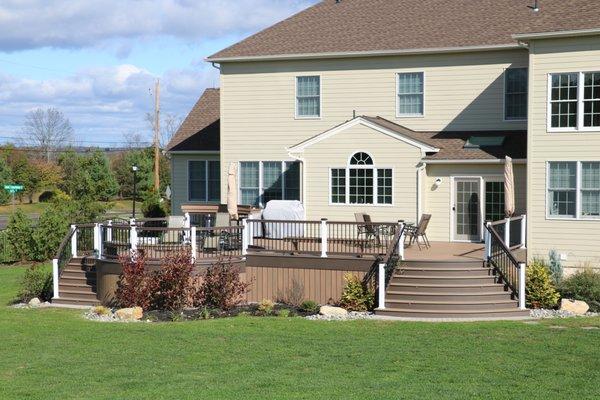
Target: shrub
[
  {"x": 172, "y": 283},
  {"x": 284, "y": 313},
  {"x": 221, "y": 287},
  {"x": 540, "y": 289},
  {"x": 19, "y": 233},
  {"x": 135, "y": 285},
  {"x": 356, "y": 295},
  {"x": 294, "y": 295},
  {"x": 36, "y": 282},
  {"x": 555, "y": 265},
  {"x": 101, "y": 310},
  {"x": 49, "y": 233},
  {"x": 153, "y": 206},
  {"x": 266, "y": 306},
  {"x": 310, "y": 306},
  {"x": 585, "y": 286}
]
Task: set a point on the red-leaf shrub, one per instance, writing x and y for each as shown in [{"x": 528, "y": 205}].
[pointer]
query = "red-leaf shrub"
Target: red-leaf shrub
[
  {"x": 135, "y": 286},
  {"x": 221, "y": 287},
  {"x": 173, "y": 282}
]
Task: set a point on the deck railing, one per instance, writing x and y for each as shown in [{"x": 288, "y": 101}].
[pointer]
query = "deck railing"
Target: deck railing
[
  {"x": 512, "y": 230},
  {"x": 79, "y": 241},
  {"x": 500, "y": 257},
  {"x": 388, "y": 264},
  {"x": 322, "y": 237}
]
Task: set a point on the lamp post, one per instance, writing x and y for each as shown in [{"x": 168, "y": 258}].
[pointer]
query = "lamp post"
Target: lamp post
[{"x": 134, "y": 168}]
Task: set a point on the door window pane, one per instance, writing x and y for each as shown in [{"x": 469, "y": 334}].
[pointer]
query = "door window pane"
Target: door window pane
[
  {"x": 494, "y": 201},
  {"x": 249, "y": 183},
  {"x": 308, "y": 96},
  {"x": 197, "y": 181},
  {"x": 410, "y": 93},
  {"x": 515, "y": 94},
  {"x": 292, "y": 180},
  {"x": 562, "y": 185}
]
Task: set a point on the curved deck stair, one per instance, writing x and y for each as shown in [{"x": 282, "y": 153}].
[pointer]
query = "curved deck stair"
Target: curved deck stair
[
  {"x": 441, "y": 289},
  {"x": 77, "y": 284}
]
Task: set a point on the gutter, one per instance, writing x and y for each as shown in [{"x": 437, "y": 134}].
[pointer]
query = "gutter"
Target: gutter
[
  {"x": 375, "y": 53},
  {"x": 556, "y": 34}
]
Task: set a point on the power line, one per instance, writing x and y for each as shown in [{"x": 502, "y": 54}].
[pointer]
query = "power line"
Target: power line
[{"x": 82, "y": 141}]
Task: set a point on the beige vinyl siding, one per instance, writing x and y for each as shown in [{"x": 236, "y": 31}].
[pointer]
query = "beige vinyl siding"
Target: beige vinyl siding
[
  {"x": 179, "y": 179},
  {"x": 462, "y": 91},
  {"x": 578, "y": 240},
  {"x": 387, "y": 152},
  {"x": 438, "y": 201}
]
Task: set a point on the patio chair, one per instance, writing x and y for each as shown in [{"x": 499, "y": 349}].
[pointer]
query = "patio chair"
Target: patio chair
[
  {"x": 228, "y": 240},
  {"x": 367, "y": 228},
  {"x": 413, "y": 233}
]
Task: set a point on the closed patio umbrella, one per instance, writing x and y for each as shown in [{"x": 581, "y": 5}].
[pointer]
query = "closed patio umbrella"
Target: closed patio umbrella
[
  {"x": 509, "y": 188},
  {"x": 232, "y": 192}
]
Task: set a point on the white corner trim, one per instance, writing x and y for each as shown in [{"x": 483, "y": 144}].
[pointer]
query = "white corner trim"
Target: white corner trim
[{"x": 298, "y": 148}]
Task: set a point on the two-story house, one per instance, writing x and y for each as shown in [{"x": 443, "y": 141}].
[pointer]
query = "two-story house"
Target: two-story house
[{"x": 398, "y": 108}]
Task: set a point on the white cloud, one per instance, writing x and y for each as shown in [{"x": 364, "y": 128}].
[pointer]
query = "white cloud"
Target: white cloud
[
  {"x": 29, "y": 24},
  {"x": 105, "y": 103}
]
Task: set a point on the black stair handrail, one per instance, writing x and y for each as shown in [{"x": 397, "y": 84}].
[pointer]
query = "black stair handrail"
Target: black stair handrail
[{"x": 502, "y": 259}]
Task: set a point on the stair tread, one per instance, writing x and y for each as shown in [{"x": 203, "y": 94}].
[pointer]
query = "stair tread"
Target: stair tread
[
  {"x": 441, "y": 285},
  {"x": 450, "y": 302},
  {"x": 450, "y": 277},
  {"x": 77, "y": 292},
  {"x": 444, "y": 269},
  {"x": 481, "y": 311},
  {"x": 453, "y": 294}
]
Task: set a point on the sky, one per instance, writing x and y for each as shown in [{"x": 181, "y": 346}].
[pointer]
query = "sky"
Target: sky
[{"x": 97, "y": 60}]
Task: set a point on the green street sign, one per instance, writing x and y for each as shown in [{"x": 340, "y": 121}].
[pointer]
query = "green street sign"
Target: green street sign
[{"x": 13, "y": 188}]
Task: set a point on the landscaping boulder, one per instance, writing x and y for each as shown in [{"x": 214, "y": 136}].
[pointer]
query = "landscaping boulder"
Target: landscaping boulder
[
  {"x": 575, "y": 306},
  {"x": 333, "y": 311},
  {"x": 130, "y": 314},
  {"x": 35, "y": 302}
]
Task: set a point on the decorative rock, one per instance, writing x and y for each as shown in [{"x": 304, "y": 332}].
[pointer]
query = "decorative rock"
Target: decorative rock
[
  {"x": 129, "y": 314},
  {"x": 575, "y": 306},
  {"x": 330, "y": 311},
  {"x": 35, "y": 302},
  {"x": 352, "y": 315}
]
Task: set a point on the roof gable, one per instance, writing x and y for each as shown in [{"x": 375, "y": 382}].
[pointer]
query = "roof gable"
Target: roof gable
[
  {"x": 388, "y": 26},
  {"x": 377, "y": 124},
  {"x": 201, "y": 128}
]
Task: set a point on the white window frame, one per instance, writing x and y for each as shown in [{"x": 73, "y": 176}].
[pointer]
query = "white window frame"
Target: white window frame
[
  {"x": 261, "y": 189},
  {"x": 206, "y": 184},
  {"x": 375, "y": 169},
  {"x": 398, "y": 114},
  {"x": 308, "y": 117},
  {"x": 579, "y": 128},
  {"x": 504, "y": 98},
  {"x": 578, "y": 189}
]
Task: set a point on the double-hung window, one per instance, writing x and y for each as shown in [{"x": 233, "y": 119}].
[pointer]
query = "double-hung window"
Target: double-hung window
[
  {"x": 308, "y": 96},
  {"x": 515, "y": 94},
  {"x": 263, "y": 181},
  {"x": 574, "y": 101},
  {"x": 410, "y": 94},
  {"x": 204, "y": 183},
  {"x": 574, "y": 189},
  {"x": 361, "y": 182}
]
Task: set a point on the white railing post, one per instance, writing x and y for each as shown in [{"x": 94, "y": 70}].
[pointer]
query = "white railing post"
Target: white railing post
[
  {"x": 109, "y": 231},
  {"x": 522, "y": 267},
  {"x": 97, "y": 240},
  {"x": 193, "y": 234},
  {"x": 133, "y": 239},
  {"x": 381, "y": 285},
  {"x": 507, "y": 232},
  {"x": 55, "y": 279},
  {"x": 524, "y": 231},
  {"x": 187, "y": 222},
  {"x": 251, "y": 232},
  {"x": 324, "y": 235},
  {"x": 401, "y": 241},
  {"x": 488, "y": 242},
  {"x": 245, "y": 239},
  {"x": 74, "y": 241}
]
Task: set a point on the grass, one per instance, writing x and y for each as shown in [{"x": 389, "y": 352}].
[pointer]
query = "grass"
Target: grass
[
  {"x": 55, "y": 354},
  {"x": 119, "y": 206}
]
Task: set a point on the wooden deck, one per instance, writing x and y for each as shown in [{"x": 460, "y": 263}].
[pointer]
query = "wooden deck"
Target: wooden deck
[{"x": 452, "y": 251}]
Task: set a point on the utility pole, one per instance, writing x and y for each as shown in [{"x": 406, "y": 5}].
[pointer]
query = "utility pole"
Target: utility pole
[{"x": 157, "y": 136}]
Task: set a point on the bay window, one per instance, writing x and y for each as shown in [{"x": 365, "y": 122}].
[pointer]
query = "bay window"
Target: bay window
[
  {"x": 361, "y": 182},
  {"x": 263, "y": 181},
  {"x": 574, "y": 189}
]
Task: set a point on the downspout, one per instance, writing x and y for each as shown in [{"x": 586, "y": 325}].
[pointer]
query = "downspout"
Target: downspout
[{"x": 420, "y": 168}]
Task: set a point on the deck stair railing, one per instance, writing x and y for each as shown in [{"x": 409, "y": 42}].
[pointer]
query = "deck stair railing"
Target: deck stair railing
[
  {"x": 387, "y": 264},
  {"x": 499, "y": 255},
  {"x": 512, "y": 230},
  {"x": 80, "y": 241}
]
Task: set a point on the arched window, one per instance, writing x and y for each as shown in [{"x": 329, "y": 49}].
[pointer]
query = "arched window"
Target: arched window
[
  {"x": 361, "y": 182},
  {"x": 361, "y": 159}
]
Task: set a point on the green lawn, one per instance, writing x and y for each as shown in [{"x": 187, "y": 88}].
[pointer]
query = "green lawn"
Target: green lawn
[{"x": 55, "y": 354}]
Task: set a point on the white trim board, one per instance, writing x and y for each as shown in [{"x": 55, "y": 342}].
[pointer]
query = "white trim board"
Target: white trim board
[{"x": 298, "y": 148}]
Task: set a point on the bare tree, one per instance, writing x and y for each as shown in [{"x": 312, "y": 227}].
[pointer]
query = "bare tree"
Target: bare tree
[
  {"x": 169, "y": 124},
  {"x": 135, "y": 140},
  {"x": 47, "y": 130}
]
